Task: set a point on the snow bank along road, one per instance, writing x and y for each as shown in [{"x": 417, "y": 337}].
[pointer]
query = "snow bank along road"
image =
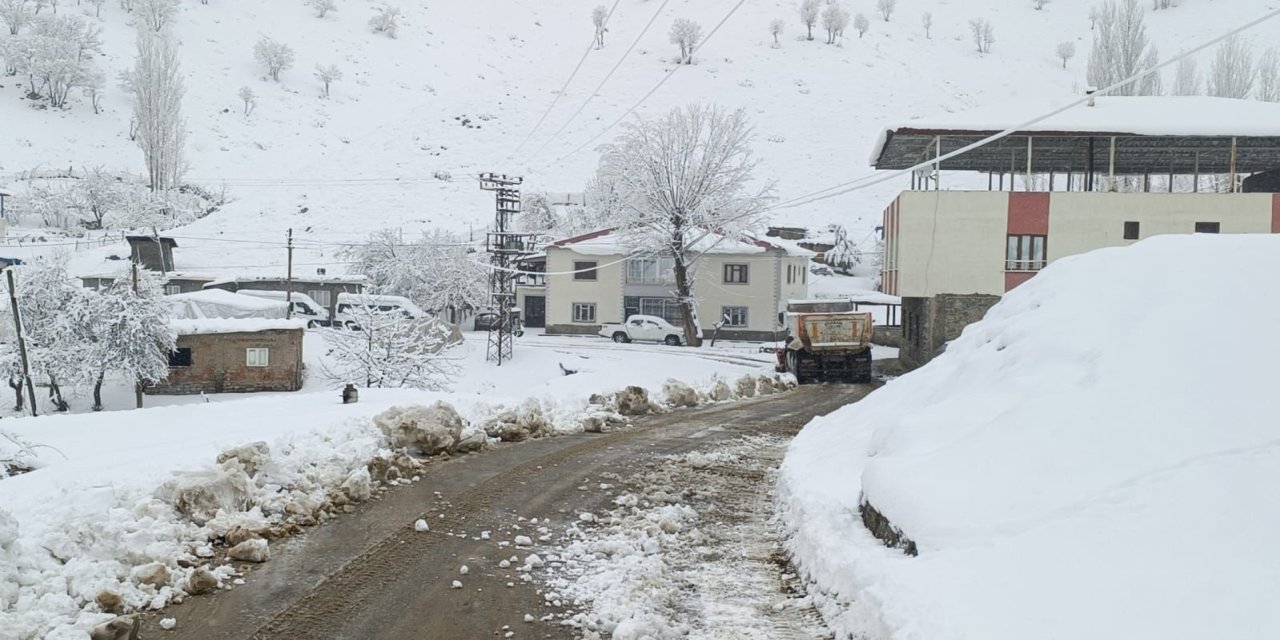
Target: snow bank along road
[{"x": 372, "y": 575}]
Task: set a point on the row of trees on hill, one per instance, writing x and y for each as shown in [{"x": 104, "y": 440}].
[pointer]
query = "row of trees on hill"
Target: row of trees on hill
[{"x": 76, "y": 337}]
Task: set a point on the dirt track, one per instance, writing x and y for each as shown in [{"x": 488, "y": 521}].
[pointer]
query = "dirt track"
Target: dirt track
[{"x": 370, "y": 575}]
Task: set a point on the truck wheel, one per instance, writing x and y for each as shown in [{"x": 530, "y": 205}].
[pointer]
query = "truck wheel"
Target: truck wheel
[
  {"x": 793, "y": 365},
  {"x": 621, "y": 338},
  {"x": 672, "y": 341}
]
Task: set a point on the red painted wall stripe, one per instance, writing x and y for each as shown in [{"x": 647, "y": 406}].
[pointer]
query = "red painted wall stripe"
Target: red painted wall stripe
[
  {"x": 1275, "y": 213},
  {"x": 1029, "y": 214},
  {"x": 1013, "y": 279}
]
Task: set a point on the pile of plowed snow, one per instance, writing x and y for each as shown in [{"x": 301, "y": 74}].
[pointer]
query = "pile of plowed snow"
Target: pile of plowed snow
[{"x": 1098, "y": 458}]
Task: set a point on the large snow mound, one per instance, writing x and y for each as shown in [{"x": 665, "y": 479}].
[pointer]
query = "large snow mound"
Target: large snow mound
[{"x": 1096, "y": 458}]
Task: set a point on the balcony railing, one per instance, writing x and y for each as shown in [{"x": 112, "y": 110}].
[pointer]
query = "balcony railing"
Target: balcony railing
[{"x": 1024, "y": 265}]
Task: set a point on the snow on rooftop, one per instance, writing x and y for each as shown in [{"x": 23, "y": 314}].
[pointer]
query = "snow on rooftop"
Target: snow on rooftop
[
  {"x": 609, "y": 243},
  {"x": 219, "y": 303},
  {"x": 203, "y": 326},
  {"x": 1089, "y": 460}
]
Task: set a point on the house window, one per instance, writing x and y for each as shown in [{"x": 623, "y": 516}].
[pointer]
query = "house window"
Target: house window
[
  {"x": 585, "y": 270},
  {"x": 734, "y": 316},
  {"x": 666, "y": 308},
  {"x": 651, "y": 271},
  {"x": 180, "y": 358},
  {"x": 321, "y": 296},
  {"x": 735, "y": 274},
  {"x": 584, "y": 312},
  {"x": 1131, "y": 230},
  {"x": 1024, "y": 253},
  {"x": 791, "y": 274},
  {"x": 1208, "y": 227},
  {"x": 257, "y": 357},
  {"x": 172, "y": 289}
]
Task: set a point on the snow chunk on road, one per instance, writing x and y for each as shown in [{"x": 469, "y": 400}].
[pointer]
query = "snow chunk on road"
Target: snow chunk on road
[
  {"x": 168, "y": 624},
  {"x": 421, "y": 525},
  {"x": 463, "y": 570},
  {"x": 456, "y": 584},
  {"x": 523, "y": 541}
]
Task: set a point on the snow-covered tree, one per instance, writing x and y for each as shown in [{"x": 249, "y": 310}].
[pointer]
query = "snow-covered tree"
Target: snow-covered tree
[
  {"x": 97, "y": 195},
  {"x": 1120, "y": 46},
  {"x": 16, "y": 14},
  {"x": 775, "y": 30},
  {"x": 97, "y": 7},
  {"x": 678, "y": 179},
  {"x": 56, "y": 55},
  {"x": 93, "y": 88},
  {"x": 926, "y": 21},
  {"x": 328, "y": 75},
  {"x": 600, "y": 18},
  {"x": 130, "y": 334},
  {"x": 1269, "y": 76},
  {"x": 249, "y": 98},
  {"x": 1186, "y": 78},
  {"x": 322, "y": 7},
  {"x": 1231, "y": 74},
  {"x": 157, "y": 109},
  {"x": 57, "y": 318},
  {"x": 886, "y": 8},
  {"x": 1039, "y": 4},
  {"x": 536, "y": 214},
  {"x": 983, "y": 34},
  {"x": 390, "y": 350},
  {"x": 386, "y": 21},
  {"x": 861, "y": 24},
  {"x": 1094, "y": 14},
  {"x": 685, "y": 34},
  {"x": 439, "y": 271},
  {"x": 1065, "y": 52},
  {"x": 845, "y": 255},
  {"x": 1151, "y": 84},
  {"x": 155, "y": 13},
  {"x": 275, "y": 56},
  {"x": 834, "y": 19},
  {"x": 809, "y": 10}
]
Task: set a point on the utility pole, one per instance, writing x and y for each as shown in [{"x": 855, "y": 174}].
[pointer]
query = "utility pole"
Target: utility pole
[
  {"x": 288, "y": 278},
  {"x": 22, "y": 343},
  {"x": 137, "y": 384},
  {"x": 505, "y": 251}
]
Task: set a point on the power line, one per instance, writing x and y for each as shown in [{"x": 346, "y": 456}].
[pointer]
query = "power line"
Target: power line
[
  {"x": 600, "y": 86},
  {"x": 655, "y": 88},
  {"x": 876, "y": 178},
  {"x": 565, "y": 87}
]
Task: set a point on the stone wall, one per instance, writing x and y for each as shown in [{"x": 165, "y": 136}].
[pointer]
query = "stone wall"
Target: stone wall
[
  {"x": 930, "y": 323},
  {"x": 218, "y": 364},
  {"x": 887, "y": 336}
]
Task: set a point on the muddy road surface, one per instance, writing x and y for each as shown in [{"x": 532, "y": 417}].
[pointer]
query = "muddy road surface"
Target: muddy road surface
[{"x": 371, "y": 575}]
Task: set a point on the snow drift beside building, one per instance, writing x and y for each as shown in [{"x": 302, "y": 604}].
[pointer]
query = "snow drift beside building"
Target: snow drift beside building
[{"x": 1094, "y": 459}]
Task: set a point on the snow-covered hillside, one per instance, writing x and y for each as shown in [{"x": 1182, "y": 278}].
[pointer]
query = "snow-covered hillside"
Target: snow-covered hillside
[
  {"x": 366, "y": 157},
  {"x": 1094, "y": 459}
]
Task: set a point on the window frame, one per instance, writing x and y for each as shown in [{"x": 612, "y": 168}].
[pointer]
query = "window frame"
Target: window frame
[
  {"x": 727, "y": 311},
  {"x": 1133, "y": 232},
  {"x": 577, "y": 318},
  {"x": 583, "y": 272},
  {"x": 736, "y": 269},
  {"x": 178, "y": 351},
  {"x": 650, "y": 271},
  {"x": 323, "y": 297},
  {"x": 261, "y": 362},
  {"x": 1205, "y": 226},
  {"x": 172, "y": 289},
  {"x": 1022, "y": 255}
]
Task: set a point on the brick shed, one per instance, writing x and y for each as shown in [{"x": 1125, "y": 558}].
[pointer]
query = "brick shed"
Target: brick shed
[{"x": 234, "y": 356}]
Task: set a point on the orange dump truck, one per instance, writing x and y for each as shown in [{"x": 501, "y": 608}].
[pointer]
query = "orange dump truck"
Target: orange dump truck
[{"x": 827, "y": 341}]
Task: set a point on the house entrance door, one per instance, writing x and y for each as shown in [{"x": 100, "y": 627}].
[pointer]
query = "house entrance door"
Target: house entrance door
[{"x": 535, "y": 312}]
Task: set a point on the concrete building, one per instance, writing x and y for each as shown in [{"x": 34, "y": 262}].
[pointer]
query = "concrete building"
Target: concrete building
[
  {"x": 1101, "y": 175},
  {"x": 174, "y": 283},
  {"x": 590, "y": 281},
  {"x": 234, "y": 356}
]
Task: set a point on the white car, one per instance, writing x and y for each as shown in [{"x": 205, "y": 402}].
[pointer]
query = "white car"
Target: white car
[
  {"x": 304, "y": 308},
  {"x": 648, "y": 328},
  {"x": 346, "y": 317}
]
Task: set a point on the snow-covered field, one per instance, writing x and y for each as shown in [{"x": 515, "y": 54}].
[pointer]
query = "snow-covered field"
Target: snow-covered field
[
  {"x": 370, "y": 152},
  {"x": 1095, "y": 459},
  {"x": 100, "y": 512}
]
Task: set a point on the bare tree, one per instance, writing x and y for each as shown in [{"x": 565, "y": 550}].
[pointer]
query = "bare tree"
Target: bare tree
[
  {"x": 390, "y": 350},
  {"x": 678, "y": 180},
  {"x": 983, "y": 34},
  {"x": 157, "y": 109},
  {"x": 275, "y": 56},
  {"x": 322, "y": 7},
  {"x": 886, "y": 8},
  {"x": 249, "y": 98},
  {"x": 1065, "y": 52},
  {"x": 1231, "y": 74},
  {"x": 386, "y": 21},
  {"x": 1151, "y": 84},
  {"x": 834, "y": 19},
  {"x": 1186, "y": 79},
  {"x": 686, "y": 34},
  {"x": 1120, "y": 47},
  {"x": 926, "y": 21},
  {"x": 93, "y": 89},
  {"x": 809, "y": 10},
  {"x": 97, "y": 7},
  {"x": 156, "y": 13},
  {"x": 600, "y": 18},
  {"x": 861, "y": 24},
  {"x": 328, "y": 75},
  {"x": 775, "y": 30},
  {"x": 1269, "y": 76}
]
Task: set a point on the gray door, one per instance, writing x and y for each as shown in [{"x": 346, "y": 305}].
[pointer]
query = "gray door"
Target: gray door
[{"x": 535, "y": 312}]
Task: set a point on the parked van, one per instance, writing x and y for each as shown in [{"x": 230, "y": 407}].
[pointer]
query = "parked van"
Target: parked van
[
  {"x": 304, "y": 308},
  {"x": 347, "y": 302}
]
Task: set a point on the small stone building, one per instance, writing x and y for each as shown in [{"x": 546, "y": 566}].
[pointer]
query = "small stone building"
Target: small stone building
[
  {"x": 930, "y": 323},
  {"x": 234, "y": 356}
]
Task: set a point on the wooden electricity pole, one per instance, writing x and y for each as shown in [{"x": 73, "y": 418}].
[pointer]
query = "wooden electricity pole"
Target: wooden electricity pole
[
  {"x": 22, "y": 343},
  {"x": 288, "y": 278},
  {"x": 137, "y": 384}
]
